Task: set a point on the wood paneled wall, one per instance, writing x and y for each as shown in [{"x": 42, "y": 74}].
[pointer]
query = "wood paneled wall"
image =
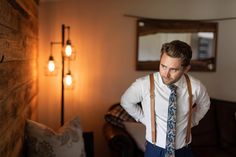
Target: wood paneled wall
[{"x": 18, "y": 71}]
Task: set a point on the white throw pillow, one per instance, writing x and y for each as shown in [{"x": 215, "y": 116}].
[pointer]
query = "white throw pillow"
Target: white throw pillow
[
  {"x": 42, "y": 141},
  {"x": 137, "y": 131}
]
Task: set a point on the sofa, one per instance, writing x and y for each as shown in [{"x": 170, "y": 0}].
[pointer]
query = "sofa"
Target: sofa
[
  {"x": 215, "y": 136},
  {"x": 69, "y": 140}
]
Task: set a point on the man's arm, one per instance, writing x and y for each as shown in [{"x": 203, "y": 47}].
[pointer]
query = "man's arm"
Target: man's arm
[
  {"x": 202, "y": 105},
  {"x": 130, "y": 98}
]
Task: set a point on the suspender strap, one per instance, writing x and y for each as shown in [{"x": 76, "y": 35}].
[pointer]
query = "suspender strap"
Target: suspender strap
[
  {"x": 190, "y": 109},
  {"x": 152, "y": 107},
  {"x": 152, "y": 100}
]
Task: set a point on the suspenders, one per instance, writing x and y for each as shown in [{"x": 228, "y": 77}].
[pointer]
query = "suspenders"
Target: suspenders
[
  {"x": 190, "y": 99},
  {"x": 152, "y": 101}
]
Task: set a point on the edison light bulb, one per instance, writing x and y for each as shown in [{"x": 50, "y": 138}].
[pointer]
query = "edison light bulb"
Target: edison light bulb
[
  {"x": 51, "y": 65},
  {"x": 68, "y": 49},
  {"x": 68, "y": 79}
]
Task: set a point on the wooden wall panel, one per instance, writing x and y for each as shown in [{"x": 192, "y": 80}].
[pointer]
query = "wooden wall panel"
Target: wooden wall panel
[
  {"x": 18, "y": 81},
  {"x": 8, "y": 18}
]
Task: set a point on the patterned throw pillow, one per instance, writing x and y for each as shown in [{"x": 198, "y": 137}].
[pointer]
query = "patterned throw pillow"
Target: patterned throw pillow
[{"x": 42, "y": 141}]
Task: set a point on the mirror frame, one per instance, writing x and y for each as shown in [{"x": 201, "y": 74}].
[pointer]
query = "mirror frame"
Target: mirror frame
[{"x": 177, "y": 26}]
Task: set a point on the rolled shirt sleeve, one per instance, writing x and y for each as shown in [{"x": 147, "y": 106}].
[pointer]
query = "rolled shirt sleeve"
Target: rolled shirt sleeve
[{"x": 130, "y": 98}]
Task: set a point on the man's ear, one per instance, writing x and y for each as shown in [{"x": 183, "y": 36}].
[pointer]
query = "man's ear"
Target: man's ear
[{"x": 187, "y": 68}]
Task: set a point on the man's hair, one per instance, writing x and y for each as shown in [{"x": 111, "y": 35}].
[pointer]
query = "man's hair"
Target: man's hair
[{"x": 178, "y": 49}]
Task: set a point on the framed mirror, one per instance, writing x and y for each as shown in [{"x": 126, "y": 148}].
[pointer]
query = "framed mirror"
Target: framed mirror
[{"x": 200, "y": 35}]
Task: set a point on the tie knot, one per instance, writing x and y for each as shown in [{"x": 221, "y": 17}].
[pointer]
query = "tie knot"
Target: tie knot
[{"x": 172, "y": 87}]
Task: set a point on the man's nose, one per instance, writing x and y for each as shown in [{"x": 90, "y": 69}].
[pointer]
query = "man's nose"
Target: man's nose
[{"x": 167, "y": 73}]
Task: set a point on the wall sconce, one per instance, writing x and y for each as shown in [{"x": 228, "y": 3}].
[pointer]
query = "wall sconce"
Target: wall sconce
[{"x": 67, "y": 54}]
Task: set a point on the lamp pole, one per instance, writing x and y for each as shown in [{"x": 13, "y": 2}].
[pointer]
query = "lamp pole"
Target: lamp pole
[{"x": 62, "y": 72}]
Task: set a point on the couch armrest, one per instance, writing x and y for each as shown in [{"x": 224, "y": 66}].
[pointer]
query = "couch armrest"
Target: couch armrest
[{"x": 119, "y": 140}]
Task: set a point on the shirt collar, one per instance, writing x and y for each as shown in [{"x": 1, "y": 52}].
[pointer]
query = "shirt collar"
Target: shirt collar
[{"x": 179, "y": 83}]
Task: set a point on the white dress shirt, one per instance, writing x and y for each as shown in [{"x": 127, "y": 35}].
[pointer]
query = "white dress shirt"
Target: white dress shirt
[{"x": 139, "y": 91}]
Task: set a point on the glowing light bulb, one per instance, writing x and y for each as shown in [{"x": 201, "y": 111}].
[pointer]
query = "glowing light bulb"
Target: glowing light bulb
[
  {"x": 68, "y": 50},
  {"x": 51, "y": 64},
  {"x": 68, "y": 79}
]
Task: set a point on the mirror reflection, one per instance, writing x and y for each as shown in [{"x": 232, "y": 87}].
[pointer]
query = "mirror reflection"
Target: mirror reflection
[{"x": 201, "y": 36}]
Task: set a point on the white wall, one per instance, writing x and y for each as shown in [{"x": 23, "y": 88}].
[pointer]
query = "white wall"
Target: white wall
[{"x": 105, "y": 63}]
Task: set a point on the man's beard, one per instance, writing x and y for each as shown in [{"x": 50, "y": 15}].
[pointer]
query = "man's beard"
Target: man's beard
[{"x": 169, "y": 81}]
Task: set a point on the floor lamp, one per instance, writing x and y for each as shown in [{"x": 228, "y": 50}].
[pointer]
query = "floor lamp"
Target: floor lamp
[{"x": 67, "y": 55}]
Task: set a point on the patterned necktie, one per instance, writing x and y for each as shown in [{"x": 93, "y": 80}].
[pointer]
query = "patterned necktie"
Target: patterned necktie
[{"x": 171, "y": 123}]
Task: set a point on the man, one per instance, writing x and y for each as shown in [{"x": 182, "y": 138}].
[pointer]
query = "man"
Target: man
[{"x": 172, "y": 106}]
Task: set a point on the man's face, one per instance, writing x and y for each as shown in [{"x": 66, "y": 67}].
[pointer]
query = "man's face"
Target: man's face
[{"x": 171, "y": 69}]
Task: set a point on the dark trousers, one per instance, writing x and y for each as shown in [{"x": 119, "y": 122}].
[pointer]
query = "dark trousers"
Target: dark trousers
[{"x": 155, "y": 151}]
